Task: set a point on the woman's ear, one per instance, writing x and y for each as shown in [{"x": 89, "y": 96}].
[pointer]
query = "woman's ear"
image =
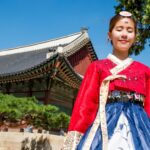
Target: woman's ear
[{"x": 109, "y": 36}]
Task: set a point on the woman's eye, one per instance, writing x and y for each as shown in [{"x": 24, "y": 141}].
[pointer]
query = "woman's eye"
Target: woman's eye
[
  {"x": 130, "y": 31},
  {"x": 119, "y": 29}
]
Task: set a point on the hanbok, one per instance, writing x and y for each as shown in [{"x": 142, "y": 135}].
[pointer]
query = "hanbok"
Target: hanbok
[{"x": 112, "y": 109}]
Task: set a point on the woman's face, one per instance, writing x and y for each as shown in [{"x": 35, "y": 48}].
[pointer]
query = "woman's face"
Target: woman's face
[{"x": 123, "y": 35}]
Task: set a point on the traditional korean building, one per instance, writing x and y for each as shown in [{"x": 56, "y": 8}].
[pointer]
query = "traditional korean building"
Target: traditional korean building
[{"x": 51, "y": 71}]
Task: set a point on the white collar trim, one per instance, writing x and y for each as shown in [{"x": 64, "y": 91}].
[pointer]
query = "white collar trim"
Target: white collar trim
[{"x": 116, "y": 60}]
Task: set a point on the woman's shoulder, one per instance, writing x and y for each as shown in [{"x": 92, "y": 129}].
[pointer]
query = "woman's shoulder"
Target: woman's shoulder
[
  {"x": 100, "y": 64},
  {"x": 100, "y": 61},
  {"x": 143, "y": 67}
]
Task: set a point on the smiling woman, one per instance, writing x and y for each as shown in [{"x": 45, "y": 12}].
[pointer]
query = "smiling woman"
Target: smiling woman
[
  {"x": 112, "y": 108},
  {"x": 122, "y": 33}
]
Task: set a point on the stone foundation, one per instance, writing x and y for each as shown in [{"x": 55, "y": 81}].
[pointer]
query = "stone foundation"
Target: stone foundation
[{"x": 20, "y": 140}]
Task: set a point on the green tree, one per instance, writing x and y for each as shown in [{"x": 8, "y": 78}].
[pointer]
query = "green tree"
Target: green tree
[
  {"x": 141, "y": 11},
  {"x": 14, "y": 110}
]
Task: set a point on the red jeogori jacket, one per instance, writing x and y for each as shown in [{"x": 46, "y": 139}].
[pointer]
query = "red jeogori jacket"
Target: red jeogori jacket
[{"x": 86, "y": 105}]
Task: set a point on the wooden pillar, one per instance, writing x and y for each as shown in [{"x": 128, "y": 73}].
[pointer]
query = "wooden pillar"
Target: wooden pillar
[
  {"x": 48, "y": 91},
  {"x": 50, "y": 81},
  {"x": 30, "y": 86}
]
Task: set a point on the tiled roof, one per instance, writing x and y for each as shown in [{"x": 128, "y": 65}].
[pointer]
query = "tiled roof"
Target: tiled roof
[
  {"x": 25, "y": 58},
  {"x": 21, "y": 61},
  {"x": 22, "y": 58}
]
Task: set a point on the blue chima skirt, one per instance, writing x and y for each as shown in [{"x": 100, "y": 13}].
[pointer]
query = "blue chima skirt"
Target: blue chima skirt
[{"x": 128, "y": 128}]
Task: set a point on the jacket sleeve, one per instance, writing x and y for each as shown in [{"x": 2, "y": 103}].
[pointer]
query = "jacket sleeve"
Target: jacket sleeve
[
  {"x": 147, "y": 99},
  {"x": 86, "y": 104},
  {"x": 85, "y": 107}
]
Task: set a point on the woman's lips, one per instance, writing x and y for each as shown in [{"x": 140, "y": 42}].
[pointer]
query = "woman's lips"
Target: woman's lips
[{"x": 123, "y": 41}]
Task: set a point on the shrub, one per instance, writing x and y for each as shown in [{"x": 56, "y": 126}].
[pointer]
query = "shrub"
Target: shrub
[{"x": 48, "y": 117}]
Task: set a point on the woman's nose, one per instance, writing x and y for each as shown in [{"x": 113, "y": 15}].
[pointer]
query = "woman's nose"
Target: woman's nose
[{"x": 124, "y": 35}]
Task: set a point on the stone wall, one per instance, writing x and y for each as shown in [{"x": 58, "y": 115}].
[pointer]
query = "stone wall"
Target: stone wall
[{"x": 20, "y": 140}]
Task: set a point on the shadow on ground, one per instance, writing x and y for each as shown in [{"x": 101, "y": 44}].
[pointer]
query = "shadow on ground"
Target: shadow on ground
[{"x": 36, "y": 144}]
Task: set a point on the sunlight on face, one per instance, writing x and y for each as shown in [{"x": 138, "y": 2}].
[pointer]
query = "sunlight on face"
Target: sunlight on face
[{"x": 123, "y": 35}]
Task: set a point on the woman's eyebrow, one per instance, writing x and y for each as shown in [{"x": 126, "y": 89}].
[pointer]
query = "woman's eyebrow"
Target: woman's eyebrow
[
  {"x": 119, "y": 26},
  {"x": 129, "y": 27}
]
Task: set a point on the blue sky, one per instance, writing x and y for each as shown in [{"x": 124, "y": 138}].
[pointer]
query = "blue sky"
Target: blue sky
[{"x": 26, "y": 22}]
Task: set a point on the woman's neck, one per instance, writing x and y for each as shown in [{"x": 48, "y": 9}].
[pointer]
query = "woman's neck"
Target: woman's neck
[{"x": 120, "y": 55}]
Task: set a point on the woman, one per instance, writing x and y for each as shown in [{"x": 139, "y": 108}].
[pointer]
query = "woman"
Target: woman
[{"x": 112, "y": 109}]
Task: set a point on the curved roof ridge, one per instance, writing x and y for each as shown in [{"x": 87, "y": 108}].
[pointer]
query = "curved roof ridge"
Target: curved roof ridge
[
  {"x": 42, "y": 45},
  {"x": 84, "y": 38}
]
